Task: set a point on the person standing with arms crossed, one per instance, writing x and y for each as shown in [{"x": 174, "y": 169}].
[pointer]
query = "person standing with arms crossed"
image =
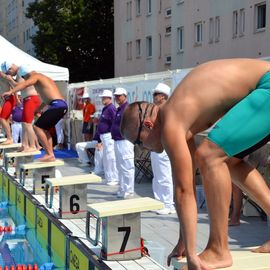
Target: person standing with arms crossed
[{"x": 56, "y": 107}]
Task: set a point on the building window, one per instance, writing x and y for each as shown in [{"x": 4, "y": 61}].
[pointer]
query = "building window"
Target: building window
[
  {"x": 168, "y": 12},
  {"x": 149, "y": 6},
  {"x": 168, "y": 30},
  {"x": 198, "y": 33},
  {"x": 129, "y": 10},
  {"x": 138, "y": 48},
  {"x": 217, "y": 29},
  {"x": 211, "y": 30},
  {"x": 138, "y": 7},
  {"x": 168, "y": 60},
  {"x": 129, "y": 50},
  {"x": 260, "y": 16},
  {"x": 180, "y": 39},
  {"x": 149, "y": 47},
  {"x": 242, "y": 22},
  {"x": 235, "y": 24}
]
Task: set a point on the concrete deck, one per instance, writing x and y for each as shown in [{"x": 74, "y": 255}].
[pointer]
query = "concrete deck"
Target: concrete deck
[{"x": 161, "y": 232}]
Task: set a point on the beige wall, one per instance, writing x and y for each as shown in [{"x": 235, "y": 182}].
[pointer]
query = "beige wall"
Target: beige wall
[
  {"x": 185, "y": 13},
  {"x": 15, "y": 27},
  {"x": 139, "y": 27}
]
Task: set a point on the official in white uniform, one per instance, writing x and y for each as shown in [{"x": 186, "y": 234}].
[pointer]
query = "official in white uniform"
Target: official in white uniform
[
  {"x": 162, "y": 182},
  {"x": 104, "y": 128},
  {"x": 124, "y": 150}
]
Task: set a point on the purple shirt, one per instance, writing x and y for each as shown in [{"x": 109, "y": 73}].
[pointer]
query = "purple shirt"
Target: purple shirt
[
  {"x": 115, "y": 130},
  {"x": 106, "y": 119},
  {"x": 96, "y": 136},
  {"x": 17, "y": 113}
]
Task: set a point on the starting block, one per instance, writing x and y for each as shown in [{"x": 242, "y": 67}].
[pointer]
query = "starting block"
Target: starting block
[
  {"x": 5, "y": 148},
  {"x": 72, "y": 194},
  {"x": 21, "y": 157},
  {"x": 121, "y": 226},
  {"x": 41, "y": 170},
  {"x": 242, "y": 259}
]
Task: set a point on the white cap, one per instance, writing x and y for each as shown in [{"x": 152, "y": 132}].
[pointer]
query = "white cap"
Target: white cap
[
  {"x": 120, "y": 91},
  {"x": 162, "y": 88},
  {"x": 106, "y": 93},
  {"x": 85, "y": 95},
  {"x": 19, "y": 93},
  {"x": 24, "y": 69}
]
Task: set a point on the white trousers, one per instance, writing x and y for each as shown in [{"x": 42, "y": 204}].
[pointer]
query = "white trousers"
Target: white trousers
[
  {"x": 81, "y": 150},
  {"x": 98, "y": 157},
  {"x": 59, "y": 131},
  {"x": 16, "y": 130},
  {"x": 109, "y": 162},
  {"x": 99, "y": 162},
  {"x": 162, "y": 182},
  {"x": 124, "y": 153}
]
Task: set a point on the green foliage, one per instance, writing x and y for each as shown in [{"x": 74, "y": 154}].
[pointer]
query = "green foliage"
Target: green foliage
[{"x": 77, "y": 34}]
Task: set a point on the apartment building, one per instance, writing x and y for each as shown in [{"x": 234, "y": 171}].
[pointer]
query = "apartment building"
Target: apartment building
[
  {"x": 14, "y": 26},
  {"x": 156, "y": 35}
]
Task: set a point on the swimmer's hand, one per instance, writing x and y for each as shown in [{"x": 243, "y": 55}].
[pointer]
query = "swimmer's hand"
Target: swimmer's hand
[
  {"x": 6, "y": 94},
  {"x": 178, "y": 252}
]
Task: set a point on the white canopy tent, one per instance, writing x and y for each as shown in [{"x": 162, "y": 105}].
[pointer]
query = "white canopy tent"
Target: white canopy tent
[{"x": 10, "y": 53}]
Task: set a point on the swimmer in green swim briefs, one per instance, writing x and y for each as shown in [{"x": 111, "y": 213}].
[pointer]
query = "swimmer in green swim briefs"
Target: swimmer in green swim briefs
[{"x": 236, "y": 91}]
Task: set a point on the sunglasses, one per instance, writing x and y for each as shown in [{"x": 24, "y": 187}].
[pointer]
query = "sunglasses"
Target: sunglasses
[{"x": 138, "y": 139}]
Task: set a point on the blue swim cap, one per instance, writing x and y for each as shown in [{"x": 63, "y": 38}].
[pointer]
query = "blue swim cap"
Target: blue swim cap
[
  {"x": 5, "y": 66},
  {"x": 23, "y": 70}
]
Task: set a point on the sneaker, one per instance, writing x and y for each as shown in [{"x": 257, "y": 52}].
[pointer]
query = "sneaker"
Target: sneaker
[
  {"x": 172, "y": 211},
  {"x": 124, "y": 195},
  {"x": 112, "y": 183},
  {"x": 165, "y": 211}
]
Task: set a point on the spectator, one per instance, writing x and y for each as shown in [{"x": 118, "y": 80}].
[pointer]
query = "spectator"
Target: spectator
[
  {"x": 104, "y": 129},
  {"x": 82, "y": 148},
  {"x": 88, "y": 110},
  {"x": 124, "y": 150},
  {"x": 161, "y": 166}
]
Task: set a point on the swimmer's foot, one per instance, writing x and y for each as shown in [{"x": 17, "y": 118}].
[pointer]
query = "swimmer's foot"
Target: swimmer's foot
[
  {"x": 47, "y": 158},
  {"x": 265, "y": 248},
  {"x": 20, "y": 149},
  {"x": 6, "y": 142},
  {"x": 216, "y": 259},
  {"x": 30, "y": 149},
  {"x": 233, "y": 222}
]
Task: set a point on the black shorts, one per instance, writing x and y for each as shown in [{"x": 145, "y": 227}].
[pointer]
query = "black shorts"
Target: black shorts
[{"x": 57, "y": 109}]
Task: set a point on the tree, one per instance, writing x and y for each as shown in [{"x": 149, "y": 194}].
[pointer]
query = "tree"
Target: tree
[{"x": 77, "y": 34}]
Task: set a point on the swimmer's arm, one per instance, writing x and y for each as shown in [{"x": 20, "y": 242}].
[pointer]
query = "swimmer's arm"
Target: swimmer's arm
[
  {"x": 41, "y": 107},
  {"x": 21, "y": 86},
  {"x": 182, "y": 170}
]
